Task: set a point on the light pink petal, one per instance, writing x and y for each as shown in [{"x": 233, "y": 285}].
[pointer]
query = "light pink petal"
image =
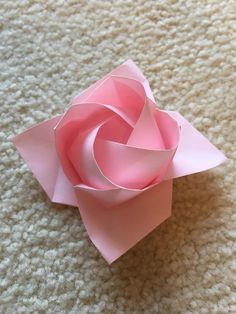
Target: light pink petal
[
  {"x": 37, "y": 147},
  {"x": 81, "y": 155},
  {"x": 127, "y": 95},
  {"x": 146, "y": 133},
  {"x": 115, "y": 129},
  {"x": 168, "y": 127},
  {"x": 128, "y": 70},
  {"x": 194, "y": 153},
  {"x": 128, "y": 166},
  {"x": 78, "y": 118},
  {"x": 115, "y": 230}
]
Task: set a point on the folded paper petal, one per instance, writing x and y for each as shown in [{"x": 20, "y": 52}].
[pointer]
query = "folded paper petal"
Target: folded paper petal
[
  {"x": 82, "y": 157},
  {"x": 194, "y": 153},
  {"x": 76, "y": 122},
  {"x": 151, "y": 138},
  {"x": 125, "y": 94},
  {"x": 135, "y": 168},
  {"x": 169, "y": 128},
  {"x": 115, "y": 129},
  {"x": 115, "y": 230},
  {"x": 127, "y": 70}
]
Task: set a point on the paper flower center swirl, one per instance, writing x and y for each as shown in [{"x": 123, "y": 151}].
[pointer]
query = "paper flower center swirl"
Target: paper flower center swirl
[{"x": 116, "y": 138}]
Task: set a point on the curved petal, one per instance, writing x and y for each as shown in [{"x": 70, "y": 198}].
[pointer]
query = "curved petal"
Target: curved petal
[
  {"x": 81, "y": 155},
  {"x": 131, "y": 167},
  {"x": 115, "y": 129},
  {"x": 146, "y": 133},
  {"x": 126, "y": 94},
  {"x": 127, "y": 70},
  {"x": 78, "y": 118},
  {"x": 169, "y": 128}
]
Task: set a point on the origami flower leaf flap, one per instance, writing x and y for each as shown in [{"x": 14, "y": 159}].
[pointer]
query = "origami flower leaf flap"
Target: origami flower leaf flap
[
  {"x": 194, "y": 153},
  {"x": 37, "y": 147},
  {"x": 115, "y": 230}
]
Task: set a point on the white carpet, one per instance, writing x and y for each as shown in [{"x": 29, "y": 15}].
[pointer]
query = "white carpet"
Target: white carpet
[{"x": 51, "y": 50}]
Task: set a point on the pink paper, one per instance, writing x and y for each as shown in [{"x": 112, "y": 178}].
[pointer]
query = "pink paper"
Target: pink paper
[{"x": 114, "y": 154}]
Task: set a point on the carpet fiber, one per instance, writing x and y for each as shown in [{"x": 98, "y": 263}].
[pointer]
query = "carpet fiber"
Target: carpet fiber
[{"x": 50, "y": 51}]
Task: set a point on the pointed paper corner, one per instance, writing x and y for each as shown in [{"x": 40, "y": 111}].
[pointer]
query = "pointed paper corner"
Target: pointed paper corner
[
  {"x": 116, "y": 229},
  {"x": 36, "y": 146},
  {"x": 195, "y": 153}
]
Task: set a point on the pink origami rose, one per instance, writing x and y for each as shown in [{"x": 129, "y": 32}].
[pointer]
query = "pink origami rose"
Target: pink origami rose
[
  {"x": 114, "y": 155},
  {"x": 116, "y": 143}
]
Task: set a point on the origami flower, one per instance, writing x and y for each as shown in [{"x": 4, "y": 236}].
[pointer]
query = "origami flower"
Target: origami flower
[
  {"x": 116, "y": 143},
  {"x": 114, "y": 155}
]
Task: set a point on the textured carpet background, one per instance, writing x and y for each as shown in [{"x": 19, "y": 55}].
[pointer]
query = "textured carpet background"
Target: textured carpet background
[{"x": 51, "y": 50}]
